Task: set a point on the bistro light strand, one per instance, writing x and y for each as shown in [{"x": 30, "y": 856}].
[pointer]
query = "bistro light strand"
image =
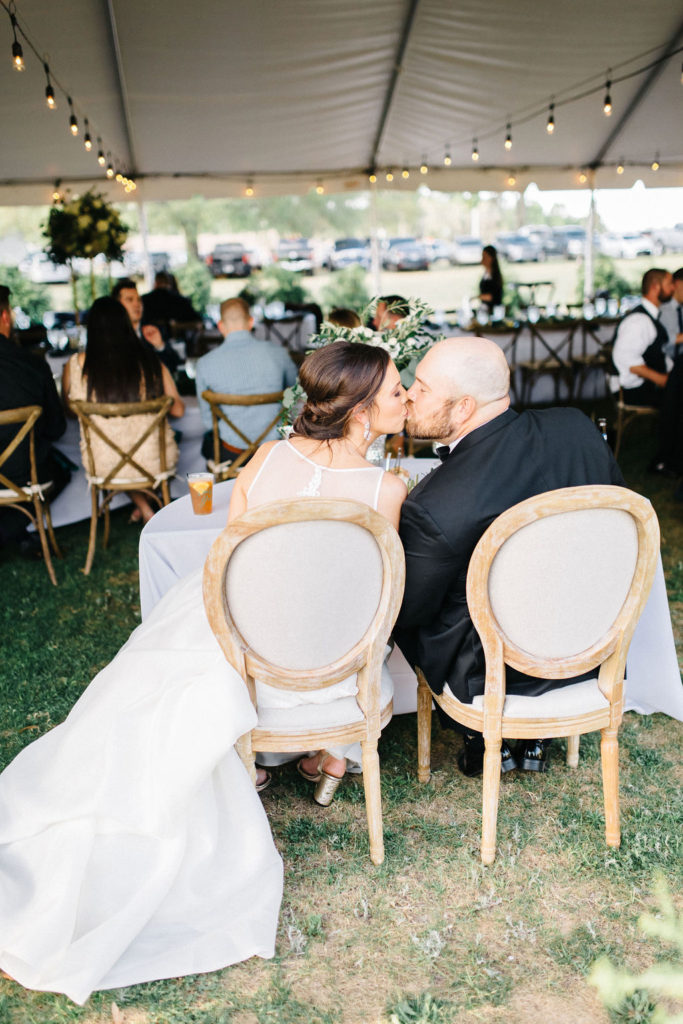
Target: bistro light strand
[
  {"x": 73, "y": 120},
  {"x": 550, "y": 124},
  {"x": 508, "y": 137},
  {"x": 475, "y": 150},
  {"x": 87, "y": 140},
  {"x": 607, "y": 102},
  {"x": 17, "y": 51}
]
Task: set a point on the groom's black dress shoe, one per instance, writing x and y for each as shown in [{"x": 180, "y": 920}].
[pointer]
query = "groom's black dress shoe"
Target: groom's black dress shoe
[
  {"x": 534, "y": 755},
  {"x": 471, "y": 761}
]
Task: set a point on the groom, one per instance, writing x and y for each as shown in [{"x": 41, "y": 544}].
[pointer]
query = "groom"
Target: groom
[{"x": 492, "y": 459}]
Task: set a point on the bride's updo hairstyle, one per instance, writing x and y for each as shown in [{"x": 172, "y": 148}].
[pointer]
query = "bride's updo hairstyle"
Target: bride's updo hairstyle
[{"x": 338, "y": 379}]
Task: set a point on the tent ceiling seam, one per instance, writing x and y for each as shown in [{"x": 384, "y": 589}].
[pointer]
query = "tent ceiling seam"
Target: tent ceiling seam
[
  {"x": 123, "y": 92},
  {"x": 667, "y": 51},
  {"x": 393, "y": 80}
]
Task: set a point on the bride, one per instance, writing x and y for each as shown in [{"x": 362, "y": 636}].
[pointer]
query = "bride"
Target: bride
[{"x": 133, "y": 845}]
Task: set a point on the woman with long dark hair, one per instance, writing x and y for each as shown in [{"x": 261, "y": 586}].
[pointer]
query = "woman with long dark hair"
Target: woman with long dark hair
[
  {"x": 133, "y": 845},
  {"x": 117, "y": 366},
  {"x": 491, "y": 284}
]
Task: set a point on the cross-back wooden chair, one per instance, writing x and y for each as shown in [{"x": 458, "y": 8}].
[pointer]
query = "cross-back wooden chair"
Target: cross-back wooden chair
[
  {"x": 126, "y": 474},
  {"x": 300, "y": 595},
  {"x": 20, "y": 495},
  {"x": 555, "y": 588},
  {"x": 217, "y": 402},
  {"x": 628, "y": 414}
]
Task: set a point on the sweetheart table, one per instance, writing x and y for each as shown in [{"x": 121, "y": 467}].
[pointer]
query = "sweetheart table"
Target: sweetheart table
[{"x": 176, "y": 542}]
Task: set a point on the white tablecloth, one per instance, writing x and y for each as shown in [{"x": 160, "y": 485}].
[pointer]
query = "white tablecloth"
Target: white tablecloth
[{"x": 176, "y": 542}]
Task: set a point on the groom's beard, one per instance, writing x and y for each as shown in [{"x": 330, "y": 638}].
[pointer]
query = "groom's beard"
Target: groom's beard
[{"x": 432, "y": 429}]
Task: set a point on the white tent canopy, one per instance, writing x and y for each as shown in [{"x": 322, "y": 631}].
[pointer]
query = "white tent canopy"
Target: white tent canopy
[{"x": 207, "y": 97}]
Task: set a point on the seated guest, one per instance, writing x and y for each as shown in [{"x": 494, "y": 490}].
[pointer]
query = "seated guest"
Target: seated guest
[
  {"x": 671, "y": 315},
  {"x": 344, "y": 318},
  {"x": 639, "y": 344},
  {"x": 117, "y": 366},
  {"x": 390, "y": 310},
  {"x": 26, "y": 379},
  {"x": 241, "y": 365},
  {"x": 126, "y": 291},
  {"x": 492, "y": 458},
  {"x": 165, "y": 303}
]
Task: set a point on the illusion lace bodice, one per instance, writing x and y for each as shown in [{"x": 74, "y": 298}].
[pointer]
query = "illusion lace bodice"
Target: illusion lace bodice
[{"x": 291, "y": 474}]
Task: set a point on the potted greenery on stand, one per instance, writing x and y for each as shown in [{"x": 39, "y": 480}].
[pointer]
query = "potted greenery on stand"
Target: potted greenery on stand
[{"x": 83, "y": 228}]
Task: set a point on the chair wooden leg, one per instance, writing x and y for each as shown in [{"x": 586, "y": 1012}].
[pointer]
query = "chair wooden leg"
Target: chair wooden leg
[
  {"x": 373, "y": 799},
  {"x": 165, "y": 492},
  {"x": 246, "y": 754},
  {"x": 573, "y": 750},
  {"x": 93, "y": 531},
  {"x": 490, "y": 792},
  {"x": 424, "y": 729},
  {"x": 609, "y": 749},
  {"x": 107, "y": 523},
  {"x": 51, "y": 532},
  {"x": 40, "y": 525}
]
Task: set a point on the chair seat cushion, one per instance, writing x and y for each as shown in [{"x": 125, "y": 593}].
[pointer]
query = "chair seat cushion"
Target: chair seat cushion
[
  {"x": 309, "y": 717},
  {"x": 564, "y": 702}
]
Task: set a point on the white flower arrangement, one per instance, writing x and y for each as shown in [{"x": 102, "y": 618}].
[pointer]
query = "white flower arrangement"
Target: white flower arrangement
[{"x": 405, "y": 342}]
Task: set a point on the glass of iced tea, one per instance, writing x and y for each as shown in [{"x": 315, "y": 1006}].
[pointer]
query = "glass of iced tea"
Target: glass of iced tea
[{"x": 201, "y": 492}]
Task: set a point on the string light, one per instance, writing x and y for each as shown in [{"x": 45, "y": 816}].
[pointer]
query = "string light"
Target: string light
[
  {"x": 583, "y": 178},
  {"x": 655, "y": 163},
  {"x": 49, "y": 91},
  {"x": 550, "y": 126},
  {"x": 119, "y": 177},
  {"x": 100, "y": 153},
  {"x": 607, "y": 102},
  {"x": 87, "y": 141},
  {"x": 320, "y": 188},
  {"x": 56, "y": 194},
  {"x": 447, "y": 159},
  {"x": 17, "y": 52},
  {"x": 110, "y": 168},
  {"x": 405, "y": 173},
  {"x": 390, "y": 176},
  {"x": 475, "y": 151},
  {"x": 508, "y": 138},
  {"x": 372, "y": 177},
  {"x": 73, "y": 122},
  {"x": 424, "y": 169},
  {"x": 511, "y": 180},
  {"x": 620, "y": 166},
  {"x": 249, "y": 189}
]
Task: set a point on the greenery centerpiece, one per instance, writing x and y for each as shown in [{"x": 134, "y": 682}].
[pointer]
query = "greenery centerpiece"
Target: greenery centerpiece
[
  {"x": 406, "y": 342},
  {"x": 82, "y": 228}
]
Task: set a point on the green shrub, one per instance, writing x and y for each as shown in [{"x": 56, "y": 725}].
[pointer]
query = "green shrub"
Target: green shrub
[
  {"x": 346, "y": 290},
  {"x": 34, "y": 299},
  {"x": 275, "y": 284},
  {"x": 194, "y": 281}
]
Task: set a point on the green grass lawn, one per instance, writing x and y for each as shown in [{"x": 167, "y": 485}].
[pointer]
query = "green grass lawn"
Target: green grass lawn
[{"x": 431, "y": 936}]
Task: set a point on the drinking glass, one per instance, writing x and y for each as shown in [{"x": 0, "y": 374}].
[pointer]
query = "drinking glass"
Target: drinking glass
[{"x": 201, "y": 493}]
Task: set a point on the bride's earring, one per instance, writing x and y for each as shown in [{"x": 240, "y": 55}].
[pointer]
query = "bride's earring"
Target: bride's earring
[{"x": 366, "y": 432}]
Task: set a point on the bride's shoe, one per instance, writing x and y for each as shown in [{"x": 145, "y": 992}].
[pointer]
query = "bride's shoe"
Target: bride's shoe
[
  {"x": 311, "y": 776},
  {"x": 325, "y": 789}
]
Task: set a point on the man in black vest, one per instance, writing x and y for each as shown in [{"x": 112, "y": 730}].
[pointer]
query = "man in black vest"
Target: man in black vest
[
  {"x": 640, "y": 341},
  {"x": 494, "y": 458}
]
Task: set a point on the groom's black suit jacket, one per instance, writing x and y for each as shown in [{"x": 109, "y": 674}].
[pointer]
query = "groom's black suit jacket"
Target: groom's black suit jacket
[{"x": 511, "y": 458}]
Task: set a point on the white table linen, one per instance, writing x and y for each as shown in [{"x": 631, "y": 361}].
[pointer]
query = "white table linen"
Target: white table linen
[{"x": 176, "y": 542}]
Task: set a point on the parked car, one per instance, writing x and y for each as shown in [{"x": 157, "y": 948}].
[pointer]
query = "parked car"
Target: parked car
[
  {"x": 668, "y": 239},
  {"x": 626, "y": 246},
  {"x": 229, "y": 259},
  {"x": 517, "y": 249},
  {"x": 440, "y": 251},
  {"x": 347, "y": 252},
  {"x": 406, "y": 254},
  {"x": 295, "y": 254},
  {"x": 467, "y": 250},
  {"x": 570, "y": 240},
  {"x": 542, "y": 236}
]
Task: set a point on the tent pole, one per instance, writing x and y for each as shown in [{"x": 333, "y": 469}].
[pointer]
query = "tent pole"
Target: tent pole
[
  {"x": 589, "y": 261},
  {"x": 375, "y": 260},
  {"x": 144, "y": 234}
]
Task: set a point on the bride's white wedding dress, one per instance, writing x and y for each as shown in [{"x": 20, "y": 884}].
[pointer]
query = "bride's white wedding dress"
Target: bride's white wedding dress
[{"x": 133, "y": 845}]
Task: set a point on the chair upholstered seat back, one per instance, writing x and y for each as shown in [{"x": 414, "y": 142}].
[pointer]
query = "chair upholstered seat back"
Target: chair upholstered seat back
[
  {"x": 557, "y": 585},
  {"x": 302, "y": 594}
]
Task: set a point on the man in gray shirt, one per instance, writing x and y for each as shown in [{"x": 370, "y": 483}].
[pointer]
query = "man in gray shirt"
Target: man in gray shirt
[{"x": 241, "y": 365}]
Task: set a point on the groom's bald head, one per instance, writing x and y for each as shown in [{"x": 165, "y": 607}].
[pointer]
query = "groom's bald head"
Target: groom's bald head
[{"x": 460, "y": 384}]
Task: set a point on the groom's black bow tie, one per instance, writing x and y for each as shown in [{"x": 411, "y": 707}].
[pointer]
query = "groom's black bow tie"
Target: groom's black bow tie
[{"x": 443, "y": 451}]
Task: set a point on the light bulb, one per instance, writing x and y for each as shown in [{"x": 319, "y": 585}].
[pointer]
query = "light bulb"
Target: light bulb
[
  {"x": 655, "y": 163},
  {"x": 320, "y": 188},
  {"x": 390, "y": 176},
  {"x": 424, "y": 169},
  {"x": 405, "y": 173},
  {"x": 475, "y": 151},
  {"x": 100, "y": 154},
  {"x": 508, "y": 139},
  {"x": 512, "y": 180},
  {"x": 73, "y": 123},
  {"x": 447, "y": 160},
  {"x": 583, "y": 178},
  {"x": 550, "y": 126},
  {"x": 372, "y": 178},
  {"x": 620, "y": 167},
  {"x": 87, "y": 141},
  {"x": 110, "y": 171},
  {"x": 17, "y": 52}
]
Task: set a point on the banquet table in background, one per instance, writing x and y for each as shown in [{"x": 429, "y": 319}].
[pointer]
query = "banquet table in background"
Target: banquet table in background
[{"x": 176, "y": 542}]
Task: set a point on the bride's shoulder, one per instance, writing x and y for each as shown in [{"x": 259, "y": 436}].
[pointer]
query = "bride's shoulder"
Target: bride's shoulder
[{"x": 392, "y": 494}]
